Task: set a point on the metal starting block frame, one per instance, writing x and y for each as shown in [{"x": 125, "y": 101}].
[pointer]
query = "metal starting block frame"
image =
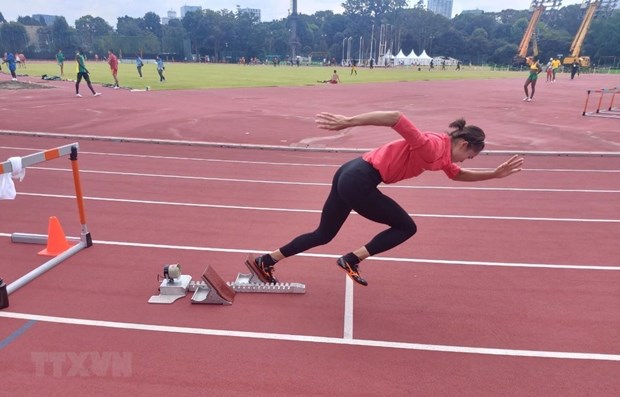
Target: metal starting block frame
[
  {"x": 211, "y": 289},
  {"x": 251, "y": 283}
]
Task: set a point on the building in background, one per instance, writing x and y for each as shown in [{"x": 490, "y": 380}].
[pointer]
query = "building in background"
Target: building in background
[
  {"x": 254, "y": 12},
  {"x": 441, "y": 7},
  {"x": 48, "y": 20},
  {"x": 171, "y": 15},
  {"x": 186, "y": 9},
  {"x": 473, "y": 12}
]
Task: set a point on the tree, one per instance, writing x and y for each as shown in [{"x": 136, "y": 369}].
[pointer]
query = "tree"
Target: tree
[
  {"x": 173, "y": 36},
  {"x": 14, "y": 37},
  {"x": 128, "y": 26},
  {"x": 604, "y": 38},
  {"x": 373, "y": 8},
  {"x": 29, "y": 21},
  {"x": 2, "y": 20},
  {"x": 152, "y": 23},
  {"x": 91, "y": 28},
  {"x": 63, "y": 35}
]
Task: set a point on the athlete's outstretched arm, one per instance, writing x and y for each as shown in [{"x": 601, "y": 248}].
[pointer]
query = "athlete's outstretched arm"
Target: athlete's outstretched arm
[
  {"x": 336, "y": 122},
  {"x": 509, "y": 167}
]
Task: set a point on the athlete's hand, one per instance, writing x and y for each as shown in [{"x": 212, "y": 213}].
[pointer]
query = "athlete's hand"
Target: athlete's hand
[
  {"x": 511, "y": 166},
  {"x": 334, "y": 122}
]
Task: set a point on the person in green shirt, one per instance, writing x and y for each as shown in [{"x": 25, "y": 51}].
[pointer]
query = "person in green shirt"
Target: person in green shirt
[
  {"x": 82, "y": 73},
  {"x": 60, "y": 58}
]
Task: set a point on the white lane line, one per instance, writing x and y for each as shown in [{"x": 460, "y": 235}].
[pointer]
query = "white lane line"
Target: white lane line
[
  {"x": 348, "y": 308},
  {"x": 234, "y": 145},
  {"x": 335, "y": 256},
  {"x": 283, "y": 164},
  {"x": 298, "y": 183},
  {"x": 314, "y": 339},
  {"x": 309, "y": 211}
]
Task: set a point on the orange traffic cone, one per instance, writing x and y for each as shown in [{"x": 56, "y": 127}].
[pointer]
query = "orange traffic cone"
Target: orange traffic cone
[{"x": 56, "y": 240}]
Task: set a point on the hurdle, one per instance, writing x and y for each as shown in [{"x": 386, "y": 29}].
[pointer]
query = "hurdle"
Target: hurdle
[
  {"x": 603, "y": 111},
  {"x": 85, "y": 237}
]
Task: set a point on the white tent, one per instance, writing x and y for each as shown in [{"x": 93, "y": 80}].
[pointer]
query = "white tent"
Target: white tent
[
  {"x": 448, "y": 61},
  {"x": 424, "y": 59},
  {"x": 401, "y": 59},
  {"x": 413, "y": 58}
]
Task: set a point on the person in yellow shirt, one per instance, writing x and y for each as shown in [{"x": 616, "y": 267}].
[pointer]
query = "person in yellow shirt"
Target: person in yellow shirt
[
  {"x": 535, "y": 69},
  {"x": 555, "y": 65}
]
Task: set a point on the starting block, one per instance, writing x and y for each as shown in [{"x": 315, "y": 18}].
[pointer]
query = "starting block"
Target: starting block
[
  {"x": 212, "y": 289},
  {"x": 172, "y": 289}
]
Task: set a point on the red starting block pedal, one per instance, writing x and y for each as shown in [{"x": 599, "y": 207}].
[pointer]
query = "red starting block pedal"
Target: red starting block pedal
[{"x": 212, "y": 289}]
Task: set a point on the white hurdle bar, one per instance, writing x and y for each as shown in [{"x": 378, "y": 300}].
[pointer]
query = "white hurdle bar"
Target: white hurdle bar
[{"x": 85, "y": 237}]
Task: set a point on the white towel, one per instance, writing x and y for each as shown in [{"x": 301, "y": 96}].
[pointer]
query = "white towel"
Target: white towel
[
  {"x": 7, "y": 187},
  {"x": 18, "y": 170}
]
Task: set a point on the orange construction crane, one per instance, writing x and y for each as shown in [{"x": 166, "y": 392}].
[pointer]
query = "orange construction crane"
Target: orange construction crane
[
  {"x": 537, "y": 7},
  {"x": 592, "y": 7}
]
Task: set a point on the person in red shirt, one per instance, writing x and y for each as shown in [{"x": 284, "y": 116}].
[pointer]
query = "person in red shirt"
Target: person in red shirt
[
  {"x": 354, "y": 185},
  {"x": 113, "y": 62}
]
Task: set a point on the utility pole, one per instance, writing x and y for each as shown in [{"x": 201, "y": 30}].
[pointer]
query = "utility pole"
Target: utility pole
[{"x": 293, "y": 40}]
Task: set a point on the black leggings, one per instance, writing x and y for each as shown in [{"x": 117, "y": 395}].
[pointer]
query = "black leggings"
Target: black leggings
[
  {"x": 81, "y": 75},
  {"x": 355, "y": 188}
]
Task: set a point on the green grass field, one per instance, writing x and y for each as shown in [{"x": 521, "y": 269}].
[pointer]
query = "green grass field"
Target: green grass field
[{"x": 204, "y": 76}]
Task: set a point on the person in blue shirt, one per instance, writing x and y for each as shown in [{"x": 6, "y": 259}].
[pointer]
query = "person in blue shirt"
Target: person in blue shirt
[
  {"x": 139, "y": 64},
  {"x": 160, "y": 69},
  {"x": 9, "y": 59}
]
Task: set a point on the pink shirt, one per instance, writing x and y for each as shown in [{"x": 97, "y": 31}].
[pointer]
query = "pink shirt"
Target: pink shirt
[
  {"x": 411, "y": 156},
  {"x": 113, "y": 61}
]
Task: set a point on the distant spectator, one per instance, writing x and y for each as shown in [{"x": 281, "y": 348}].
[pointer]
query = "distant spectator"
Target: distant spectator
[
  {"x": 574, "y": 69},
  {"x": 82, "y": 73},
  {"x": 160, "y": 69},
  {"x": 334, "y": 80},
  {"x": 139, "y": 64},
  {"x": 549, "y": 70},
  {"x": 113, "y": 62},
  {"x": 9, "y": 59},
  {"x": 60, "y": 59},
  {"x": 555, "y": 64}
]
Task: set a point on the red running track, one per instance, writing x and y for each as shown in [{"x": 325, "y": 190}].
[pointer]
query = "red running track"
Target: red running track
[{"x": 514, "y": 281}]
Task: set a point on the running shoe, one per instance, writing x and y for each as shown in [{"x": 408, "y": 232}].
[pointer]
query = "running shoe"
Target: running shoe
[
  {"x": 97, "y": 94},
  {"x": 352, "y": 271},
  {"x": 78, "y": 95},
  {"x": 264, "y": 272}
]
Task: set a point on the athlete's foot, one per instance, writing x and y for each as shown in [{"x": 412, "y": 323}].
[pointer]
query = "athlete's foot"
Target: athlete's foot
[
  {"x": 529, "y": 99},
  {"x": 264, "y": 272},
  {"x": 526, "y": 98},
  {"x": 352, "y": 271},
  {"x": 97, "y": 94}
]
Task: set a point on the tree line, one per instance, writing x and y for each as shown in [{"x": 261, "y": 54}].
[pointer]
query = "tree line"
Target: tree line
[{"x": 365, "y": 28}]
